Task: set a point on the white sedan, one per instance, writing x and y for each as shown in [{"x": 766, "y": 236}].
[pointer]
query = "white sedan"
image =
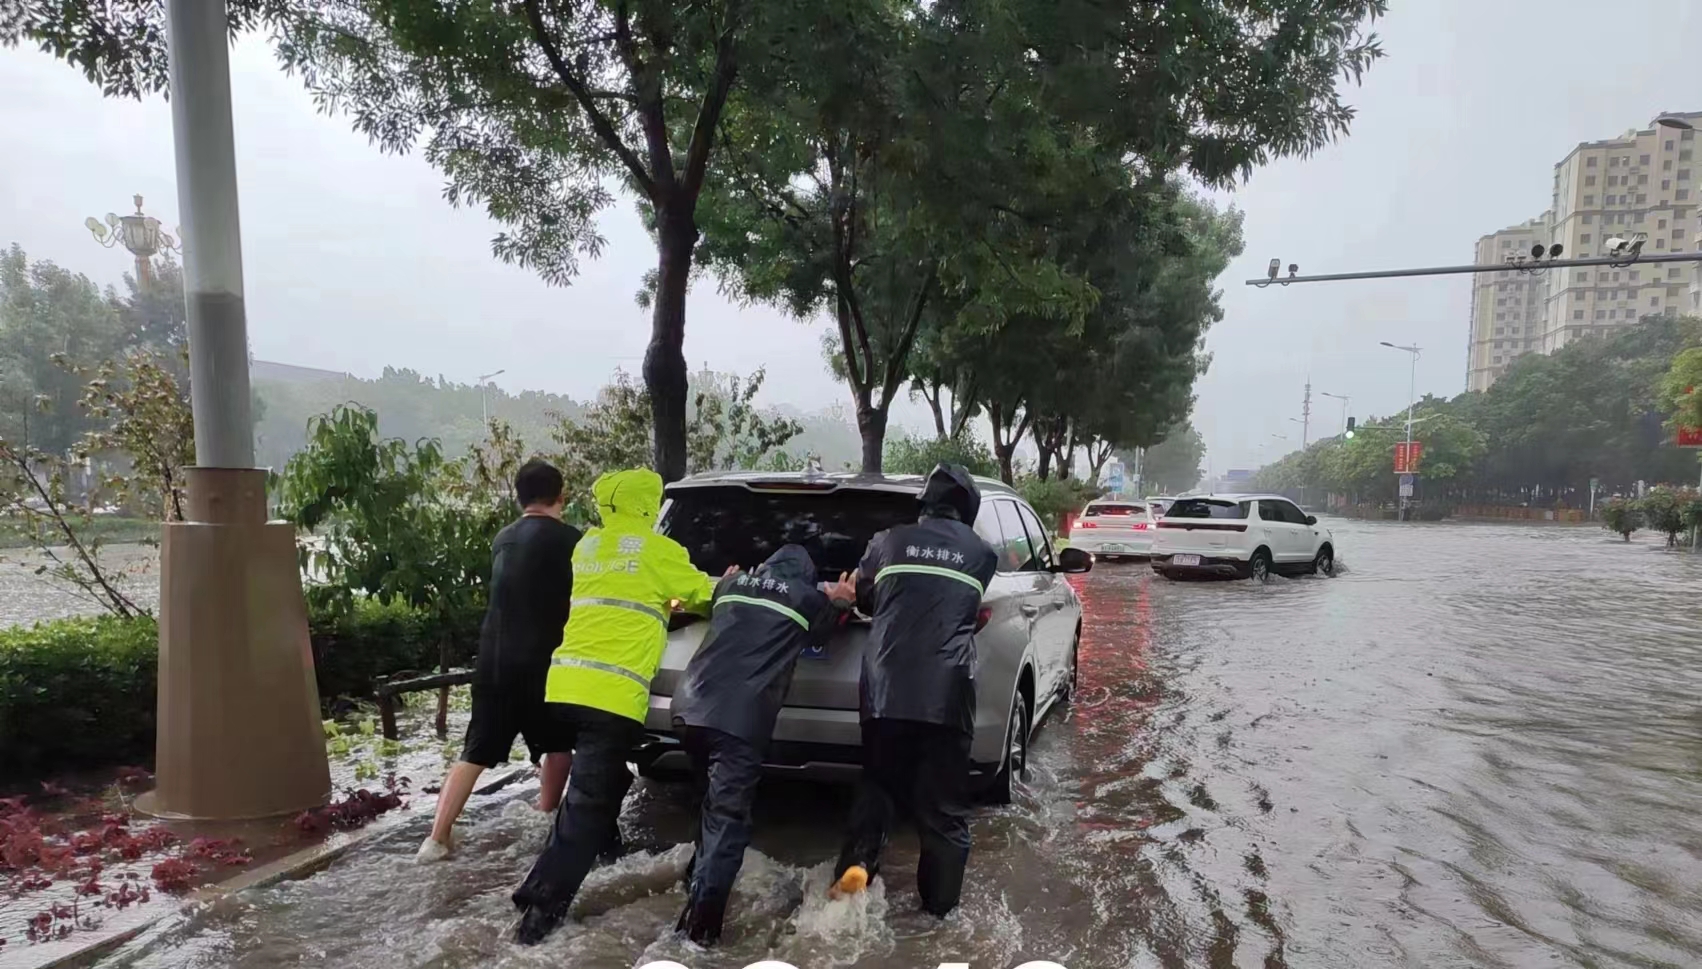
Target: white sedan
[{"x": 1110, "y": 529}]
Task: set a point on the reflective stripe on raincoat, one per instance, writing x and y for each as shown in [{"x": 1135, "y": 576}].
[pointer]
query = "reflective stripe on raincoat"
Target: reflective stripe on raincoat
[{"x": 624, "y": 578}]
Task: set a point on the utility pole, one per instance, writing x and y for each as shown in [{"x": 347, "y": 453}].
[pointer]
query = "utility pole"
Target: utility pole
[{"x": 1306, "y": 416}]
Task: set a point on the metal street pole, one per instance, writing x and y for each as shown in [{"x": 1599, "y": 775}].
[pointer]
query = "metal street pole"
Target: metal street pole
[
  {"x": 484, "y": 382},
  {"x": 238, "y": 732},
  {"x": 1344, "y": 399},
  {"x": 1412, "y": 398}
]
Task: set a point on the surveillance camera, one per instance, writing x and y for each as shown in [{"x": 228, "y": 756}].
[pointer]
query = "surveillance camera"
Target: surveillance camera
[
  {"x": 1537, "y": 251},
  {"x": 1555, "y": 250},
  {"x": 1637, "y": 246},
  {"x": 1275, "y": 267},
  {"x": 1616, "y": 244},
  {"x": 1293, "y": 268}
]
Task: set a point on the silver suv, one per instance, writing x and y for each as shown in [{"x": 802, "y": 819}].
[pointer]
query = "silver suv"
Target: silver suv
[{"x": 1029, "y": 624}]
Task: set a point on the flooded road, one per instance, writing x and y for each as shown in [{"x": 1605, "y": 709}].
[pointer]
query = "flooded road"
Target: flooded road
[{"x": 1480, "y": 746}]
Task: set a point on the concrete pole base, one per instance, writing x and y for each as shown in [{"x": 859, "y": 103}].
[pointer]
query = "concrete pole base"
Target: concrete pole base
[{"x": 239, "y": 734}]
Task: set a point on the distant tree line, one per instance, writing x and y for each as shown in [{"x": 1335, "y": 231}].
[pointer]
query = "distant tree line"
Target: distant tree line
[{"x": 1602, "y": 408}]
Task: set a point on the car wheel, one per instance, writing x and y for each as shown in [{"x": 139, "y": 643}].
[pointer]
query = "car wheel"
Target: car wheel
[
  {"x": 1259, "y": 566},
  {"x": 1015, "y": 763},
  {"x": 1325, "y": 563}
]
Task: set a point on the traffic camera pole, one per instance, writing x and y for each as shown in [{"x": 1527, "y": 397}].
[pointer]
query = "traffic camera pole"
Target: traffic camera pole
[{"x": 237, "y": 732}]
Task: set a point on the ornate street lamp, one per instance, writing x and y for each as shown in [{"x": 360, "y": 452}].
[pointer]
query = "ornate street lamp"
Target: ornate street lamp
[{"x": 138, "y": 232}]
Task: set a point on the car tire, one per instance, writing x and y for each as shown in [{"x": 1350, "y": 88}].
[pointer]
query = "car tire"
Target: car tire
[
  {"x": 1325, "y": 562},
  {"x": 1014, "y": 765},
  {"x": 1259, "y": 565}
]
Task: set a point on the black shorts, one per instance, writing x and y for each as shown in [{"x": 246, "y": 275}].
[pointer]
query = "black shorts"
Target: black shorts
[{"x": 499, "y": 717}]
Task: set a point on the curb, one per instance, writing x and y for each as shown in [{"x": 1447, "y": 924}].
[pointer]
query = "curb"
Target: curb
[{"x": 305, "y": 863}]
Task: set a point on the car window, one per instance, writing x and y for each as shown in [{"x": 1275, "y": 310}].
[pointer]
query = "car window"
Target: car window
[
  {"x": 735, "y": 526},
  {"x": 1271, "y": 511},
  {"x": 1037, "y": 536},
  {"x": 1291, "y": 512},
  {"x": 1094, "y": 511},
  {"x": 1017, "y": 554},
  {"x": 987, "y": 526},
  {"x": 1207, "y": 508}
]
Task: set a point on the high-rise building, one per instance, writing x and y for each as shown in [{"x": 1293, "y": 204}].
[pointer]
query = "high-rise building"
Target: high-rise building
[
  {"x": 1507, "y": 306},
  {"x": 1646, "y": 181}
]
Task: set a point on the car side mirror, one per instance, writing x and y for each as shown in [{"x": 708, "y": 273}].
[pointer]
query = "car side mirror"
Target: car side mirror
[
  {"x": 1073, "y": 561},
  {"x": 1311, "y": 519}
]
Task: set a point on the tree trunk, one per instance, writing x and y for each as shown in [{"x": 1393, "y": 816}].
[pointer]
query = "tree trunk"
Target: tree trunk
[
  {"x": 664, "y": 358},
  {"x": 1044, "y": 469},
  {"x": 871, "y": 426},
  {"x": 443, "y": 656}
]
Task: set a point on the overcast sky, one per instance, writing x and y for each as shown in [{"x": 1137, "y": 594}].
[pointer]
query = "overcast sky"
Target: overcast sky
[{"x": 353, "y": 261}]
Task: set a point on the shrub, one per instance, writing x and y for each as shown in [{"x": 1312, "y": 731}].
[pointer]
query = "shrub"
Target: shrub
[
  {"x": 917, "y": 455},
  {"x": 80, "y": 692},
  {"x": 1054, "y": 498},
  {"x": 1663, "y": 510},
  {"x": 76, "y": 693},
  {"x": 1622, "y": 517}
]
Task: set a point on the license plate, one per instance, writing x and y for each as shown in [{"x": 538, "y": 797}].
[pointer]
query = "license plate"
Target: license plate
[
  {"x": 1112, "y": 547},
  {"x": 1184, "y": 560}
]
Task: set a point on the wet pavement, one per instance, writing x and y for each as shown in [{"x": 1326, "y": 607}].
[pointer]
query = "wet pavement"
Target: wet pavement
[{"x": 1480, "y": 746}]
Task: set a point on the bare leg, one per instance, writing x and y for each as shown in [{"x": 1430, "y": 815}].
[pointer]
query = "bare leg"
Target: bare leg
[
  {"x": 457, "y": 787},
  {"x": 553, "y": 780}
]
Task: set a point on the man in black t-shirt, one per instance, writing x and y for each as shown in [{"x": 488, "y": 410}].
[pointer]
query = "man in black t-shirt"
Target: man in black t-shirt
[{"x": 530, "y": 588}]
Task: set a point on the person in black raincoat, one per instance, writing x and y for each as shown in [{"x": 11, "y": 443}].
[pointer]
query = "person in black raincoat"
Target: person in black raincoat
[
  {"x": 922, "y": 585},
  {"x": 726, "y": 705}
]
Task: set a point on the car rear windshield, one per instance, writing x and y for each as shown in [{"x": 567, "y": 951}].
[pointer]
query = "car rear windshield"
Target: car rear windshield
[
  {"x": 1093, "y": 511},
  {"x": 735, "y": 526},
  {"x": 1207, "y": 508}
]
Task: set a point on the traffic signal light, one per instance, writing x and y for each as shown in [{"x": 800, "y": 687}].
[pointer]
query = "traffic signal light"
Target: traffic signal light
[{"x": 1349, "y": 432}]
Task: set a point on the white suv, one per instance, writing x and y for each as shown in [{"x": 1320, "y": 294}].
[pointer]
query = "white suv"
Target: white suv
[
  {"x": 1111, "y": 529},
  {"x": 1249, "y": 536}
]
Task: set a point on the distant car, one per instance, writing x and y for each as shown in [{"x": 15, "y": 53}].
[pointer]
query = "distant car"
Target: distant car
[
  {"x": 1027, "y": 633},
  {"x": 1112, "y": 529},
  {"x": 1246, "y": 536}
]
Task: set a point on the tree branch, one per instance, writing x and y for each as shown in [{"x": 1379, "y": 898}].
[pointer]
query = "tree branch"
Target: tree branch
[
  {"x": 648, "y": 104},
  {"x": 896, "y": 360},
  {"x": 587, "y": 101},
  {"x": 726, "y": 67}
]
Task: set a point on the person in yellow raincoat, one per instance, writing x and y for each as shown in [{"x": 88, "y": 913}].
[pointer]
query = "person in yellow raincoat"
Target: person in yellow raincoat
[{"x": 626, "y": 578}]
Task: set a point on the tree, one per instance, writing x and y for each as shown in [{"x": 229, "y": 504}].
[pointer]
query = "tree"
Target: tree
[
  {"x": 1663, "y": 509},
  {"x": 912, "y": 455},
  {"x": 1173, "y": 465},
  {"x": 533, "y": 108},
  {"x": 1622, "y": 517},
  {"x": 50, "y": 319},
  {"x": 1678, "y": 388}
]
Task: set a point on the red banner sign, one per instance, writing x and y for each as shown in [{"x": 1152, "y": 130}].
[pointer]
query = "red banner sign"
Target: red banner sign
[
  {"x": 1407, "y": 456},
  {"x": 1689, "y": 436}
]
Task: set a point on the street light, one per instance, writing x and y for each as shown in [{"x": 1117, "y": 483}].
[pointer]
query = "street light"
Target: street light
[
  {"x": 1412, "y": 397},
  {"x": 138, "y": 232},
  {"x": 1344, "y": 399},
  {"x": 484, "y": 381}
]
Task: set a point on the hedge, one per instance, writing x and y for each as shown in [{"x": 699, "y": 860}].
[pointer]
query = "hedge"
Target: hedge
[{"x": 78, "y": 693}]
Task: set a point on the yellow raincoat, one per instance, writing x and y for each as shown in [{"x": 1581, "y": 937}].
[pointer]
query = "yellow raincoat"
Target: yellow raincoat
[{"x": 624, "y": 577}]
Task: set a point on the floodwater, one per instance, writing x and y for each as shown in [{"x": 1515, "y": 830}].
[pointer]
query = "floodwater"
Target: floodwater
[
  {"x": 26, "y": 597},
  {"x": 1480, "y": 746}
]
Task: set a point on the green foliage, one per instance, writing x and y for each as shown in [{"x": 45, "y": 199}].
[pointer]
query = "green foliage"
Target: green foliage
[
  {"x": 1172, "y": 465},
  {"x": 1666, "y": 510},
  {"x": 915, "y": 455},
  {"x": 1622, "y": 517},
  {"x": 1054, "y": 498},
  {"x": 1678, "y": 388},
  {"x": 76, "y": 693},
  {"x": 81, "y": 692}
]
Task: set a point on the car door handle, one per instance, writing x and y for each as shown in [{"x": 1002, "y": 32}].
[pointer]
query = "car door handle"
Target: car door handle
[{"x": 1030, "y": 611}]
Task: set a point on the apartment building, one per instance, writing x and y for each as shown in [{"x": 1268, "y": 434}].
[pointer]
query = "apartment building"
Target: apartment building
[
  {"x": 1647, "y": 181},
  {"x": 1508, "y": 308}
]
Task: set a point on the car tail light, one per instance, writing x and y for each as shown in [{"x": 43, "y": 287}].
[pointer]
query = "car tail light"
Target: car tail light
[
  {"x": 982, "y": 616},
  {"x": 1086, "y": 524},
  {"x": 1140, "y": 526}
]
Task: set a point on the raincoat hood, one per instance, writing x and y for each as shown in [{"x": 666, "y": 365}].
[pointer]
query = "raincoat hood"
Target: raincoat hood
[
  {"x": 791, "y": 563},
  {"x": 634, "y": 495},
  {"x": 952, "y": 487}
]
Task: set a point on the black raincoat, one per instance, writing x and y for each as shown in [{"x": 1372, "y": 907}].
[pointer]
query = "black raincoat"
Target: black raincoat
[
  {"x": 761, "y": 623},
  {"x": 725, "y": 710},
  {"x": 922, "y": 585}
]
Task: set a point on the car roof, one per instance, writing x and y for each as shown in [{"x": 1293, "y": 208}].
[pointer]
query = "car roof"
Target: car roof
[
  {"x": 841, "y": 481},
  {"x": 1235, "y": 496}
]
